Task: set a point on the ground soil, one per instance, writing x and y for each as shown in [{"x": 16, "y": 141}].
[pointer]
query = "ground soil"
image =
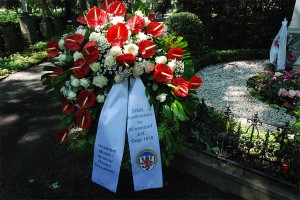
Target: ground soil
[{"x": 31, "y": 159}]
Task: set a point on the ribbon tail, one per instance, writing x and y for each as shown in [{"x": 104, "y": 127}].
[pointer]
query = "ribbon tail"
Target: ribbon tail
[
  {"x": 110, "y": 138},
  {"x": 143, "y": 139},
  {"x": 282, "y": 47}
]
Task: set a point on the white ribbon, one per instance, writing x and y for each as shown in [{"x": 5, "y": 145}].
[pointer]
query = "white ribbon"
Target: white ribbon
[{"x": 142, "y": 137}]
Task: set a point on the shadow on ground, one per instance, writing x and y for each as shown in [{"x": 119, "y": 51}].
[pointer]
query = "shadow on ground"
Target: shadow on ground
[{"x": 31, "y": 160}]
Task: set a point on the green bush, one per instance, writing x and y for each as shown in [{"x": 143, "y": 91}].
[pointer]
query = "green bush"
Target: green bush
[
  {"x": 189, "y": 26},
  {"x": 221, "y": 56}
]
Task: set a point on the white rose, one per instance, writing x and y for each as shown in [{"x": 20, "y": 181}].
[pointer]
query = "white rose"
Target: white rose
[
  {"x": 172, "y": 65},
  {"x": 94, "y": 36},
  {"x": 95, "y": 66},
  {"x": 147, "y": 21},
  {"x": 110, "y": 60},
  {"x": 161, "y": 60},
  {"x": 139, "y": 13},
  {"x": 81, "y": 31},
  {"x": 84, "y": 82},
  {"x": 100, "y": 81},
  {"x": 149, "y": 67},
  {"x": 62, "y": 57},
  {"x": 117, "y": 19},
  {"x": 118, "y": 78},
  {"x": 161, "y": 97},
  {"x": 100, "y": 98},
  {"x": 131, "y": 48},
  {"x": 116, "y": 51},
  {"x": 142, "y": 36},
  {"x": 137, "y": 70},
  {"x": 61, "y": 44},
  {"x": 77, "y": 55},
  {"x": 71, "y": 95}
]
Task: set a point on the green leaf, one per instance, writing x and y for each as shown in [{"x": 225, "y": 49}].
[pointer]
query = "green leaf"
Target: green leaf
[
  {"x": 44, "y": 76},
  {"x": 154, "y": 87},
  {"x": 297, "y": 137},
  {"x": 66, "y": 119},
  {"x": 178, "y": 110},
  {"x": 167, "y": 112}
]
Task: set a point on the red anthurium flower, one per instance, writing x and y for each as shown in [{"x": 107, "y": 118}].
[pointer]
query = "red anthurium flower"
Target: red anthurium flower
[
  {"x": 292, "y": 57},
  {"x": 90, "y": 52},
  {"x": 58, "y": 71},
  {"x": 83, "y": 118},
  {"x": 183, "y": 85},
  {"x": 136, "y": 24},
  {"x": 81, "y": 20},
  {"x": 156, "y": 29},
  {"x": 52, "y": 49},
  {"x": 147, "y": 48},
  {"x": 125, "y": 59},
  {"x": 117, "y": 35},
  {"x": 163, "y": 73},
  {"x": 117, "y": 8},
  {"x": 86, "y": 99},
  {"x": 80, "y": 69},
  {"x": 67, "y": 106},
  {"x": 106, "y": 3},
  {"x": 195, "y": 82},
  {"x": 175, "y": 53},
  {"x": 73, "y": 42},
  {"x": 96, "y": 17},
  {"x": 151, "y": 16},
  {"x": 62, "y": 135}
]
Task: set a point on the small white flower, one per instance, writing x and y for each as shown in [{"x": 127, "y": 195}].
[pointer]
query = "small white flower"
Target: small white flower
[
  {"x": 71, "y": 95},
  {"x": 100, "y": 98},
  {"x": 77, "y": 55},
  {"x": 161, "y": 97},
  {"x": 139, "y": 13},
  {"x": 161, "y": 60},
  {"x": 95, "y": 66},
  {"x": 118, "y": 78},
  {"x": 84, "y": 82},
  {"x": 117, "y": 19},
  {"x": 147, "y": 21},
  {"x": 61, "y": 44},
  {"x": 110, "y": 61},
  {"x": 149, "y": 67},
  {"x": 75, "y": 82},
  {"x": 142, "y": 36},
  {"x": 116, "y": 51},
  {"x": 62, "y": 57},
  {"x": 81, "y": 30},
  {"x": 94, "y": 36},
  {"x": 172, "y": 65},
  {"x": 100, "y": 81},
  {"x": 131, "y": 48},
  {"x": 137, "y": 70}
]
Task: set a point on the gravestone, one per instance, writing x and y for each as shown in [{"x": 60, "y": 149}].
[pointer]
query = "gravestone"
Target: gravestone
[
  {"x": 11, "y": 40},
  {"x": 28, "y": 29},
  {"x": 46, "y": 28},
  {"x": 294, "y": 30}
]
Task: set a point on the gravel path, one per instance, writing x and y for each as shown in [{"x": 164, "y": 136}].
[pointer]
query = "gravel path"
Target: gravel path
[{"x": 226, "y": 85}]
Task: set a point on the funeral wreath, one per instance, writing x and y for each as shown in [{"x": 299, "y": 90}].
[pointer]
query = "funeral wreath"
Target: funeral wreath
[{"x": 109, "y": 47}]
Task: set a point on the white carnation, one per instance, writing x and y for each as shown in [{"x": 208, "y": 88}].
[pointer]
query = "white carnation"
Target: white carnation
[
  {"x": 161, "y": 97},
  {"x": 84, "y": 82},
  {"x": 139, "y": 13},
  {"x": 172, "y": 65},
  {"x": 71, "y": 95},
  {"x": 100, "y": 81},
  {"x": 95, "y": 66},
  {"x": 94, "y": 36},
  {"x": 147, "y": 21},
  {"x": 75, "y": 82},
  {"x": 131, "y": 48},
  {"x": 118, "y": 78},
  {"x": 116, "y": 51},
  {"x": 81, "y": 31},
  {"x": 142, "y": 36},
  {"x": 149, "y": 67},
  {"x": 161, "y": 60},
  {"x": 62, "y": 57},
  {"x": 117, "y": 19},
  {"x": 61, "y": 44},
  {"x": 110, "y": 61},
  {"x": 100, "y": 98},
  {"x": 77, "y": 55},
  {"x": 137, "y": 70}
]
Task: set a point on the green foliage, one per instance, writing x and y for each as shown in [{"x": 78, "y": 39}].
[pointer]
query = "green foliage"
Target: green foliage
[
  {"x": 220, "y": 56},
  {"x": 278, "y": 89},
  {"x": 189, "y": 26},
  {"x": 18, "y": 61},
  {"x": 10, "y": 18}
]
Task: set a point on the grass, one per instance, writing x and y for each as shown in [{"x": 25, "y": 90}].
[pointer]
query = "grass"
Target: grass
[{"x": 21, "y": 60}]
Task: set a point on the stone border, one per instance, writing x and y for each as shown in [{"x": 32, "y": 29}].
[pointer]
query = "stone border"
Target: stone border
[{"x": 232, "y": 179}]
